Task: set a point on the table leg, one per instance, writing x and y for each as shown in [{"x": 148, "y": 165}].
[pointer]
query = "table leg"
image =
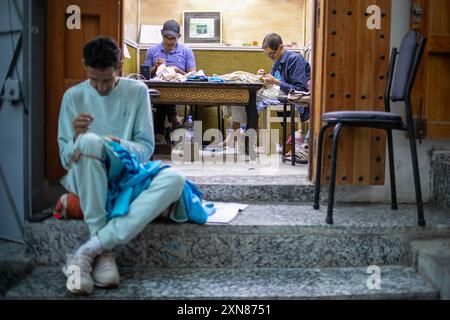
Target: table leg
[{"x": 252, "y": 123}]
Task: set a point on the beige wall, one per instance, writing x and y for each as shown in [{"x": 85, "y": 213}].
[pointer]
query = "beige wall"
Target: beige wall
[
  {"x": 309, "y": 4},
  {"x": 131, "y": 19},
  {"x": 243, "y": 21}
]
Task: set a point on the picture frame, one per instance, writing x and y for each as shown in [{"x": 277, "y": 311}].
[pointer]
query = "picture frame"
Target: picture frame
[
  {"x": 202, "y": 27},
  {"x": 150, "y": 33}
]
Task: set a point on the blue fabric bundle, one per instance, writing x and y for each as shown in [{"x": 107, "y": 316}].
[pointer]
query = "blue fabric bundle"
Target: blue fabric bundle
[
  {"x": 127, "y": 178},
  {"x": 197, "y": 78},
  {"x": 192, "y": 198},
  {"x": 204, "y": 79}
]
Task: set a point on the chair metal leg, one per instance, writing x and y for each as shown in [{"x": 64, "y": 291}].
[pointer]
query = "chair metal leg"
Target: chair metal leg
[
  {"x": 319, "y": 167},
  {"x": 415, "y": 164},
  {"x": 394, "y": 205},
  {"x": 292, "y": 134},
  {"x": 283, "y": 152},
  {"x": 268, "y": 142},
  {"x": 331, "y": 188}
]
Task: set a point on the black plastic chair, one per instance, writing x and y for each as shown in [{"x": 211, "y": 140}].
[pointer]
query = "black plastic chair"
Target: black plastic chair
[
  {"x": 284, "y": 100},
  {"x": 401, "y": 80}
]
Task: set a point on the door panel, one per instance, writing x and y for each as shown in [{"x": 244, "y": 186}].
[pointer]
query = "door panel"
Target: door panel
[
  {"x": 13, "y": 123},
  {"x": 64, "y": 58},
  {"x": 76, "y": 39},
  {"x": 431, "y": 93},
  {"x": 350, "y": 74}
]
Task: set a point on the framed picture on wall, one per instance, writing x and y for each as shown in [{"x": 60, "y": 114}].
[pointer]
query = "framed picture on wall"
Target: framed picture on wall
[{"x": 202, "y": 27}]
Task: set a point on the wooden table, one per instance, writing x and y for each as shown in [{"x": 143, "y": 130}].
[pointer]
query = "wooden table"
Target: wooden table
[{"x": 209, "y": 94}]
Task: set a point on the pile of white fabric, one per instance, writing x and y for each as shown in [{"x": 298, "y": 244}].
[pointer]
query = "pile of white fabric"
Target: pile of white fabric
[
  {"x": 242, "y": 76},
  {"x": 265, "y": 93},
  {"x": 168, "y": 73}
]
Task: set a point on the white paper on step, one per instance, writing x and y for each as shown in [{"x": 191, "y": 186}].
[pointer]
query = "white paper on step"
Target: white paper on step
[{"x": 225, "y": 212}]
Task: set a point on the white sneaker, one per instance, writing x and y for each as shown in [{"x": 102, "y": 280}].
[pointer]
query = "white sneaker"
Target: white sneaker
[
  {"x": 78, "y": 270},
  {"x": 105, "y": 272}
]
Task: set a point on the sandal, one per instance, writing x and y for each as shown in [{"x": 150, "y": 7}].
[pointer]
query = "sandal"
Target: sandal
[{"x": 301, "y": 156}]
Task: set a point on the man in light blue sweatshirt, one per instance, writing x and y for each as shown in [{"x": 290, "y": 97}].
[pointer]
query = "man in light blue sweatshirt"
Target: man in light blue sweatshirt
[{"x": 106, "y": 105}]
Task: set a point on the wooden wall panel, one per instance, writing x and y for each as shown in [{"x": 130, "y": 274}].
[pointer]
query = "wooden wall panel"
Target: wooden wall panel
[
  {"x": 363, "y": 92},
  {"x": 431, "y": 92},
  {"x": 76, "y": 39},
  {"x": 222, "y": 62},
  {"x": 355, "y": 71},
  {"x": 130, "y": 65},
  {"x": 318, "y": 78}
]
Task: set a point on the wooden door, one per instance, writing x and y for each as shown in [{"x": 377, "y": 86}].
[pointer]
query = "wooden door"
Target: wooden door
[
  {"x": 431, "y": 93},
  {"x": 64, "y": 58},
  {"x": 349, "y": 73}
]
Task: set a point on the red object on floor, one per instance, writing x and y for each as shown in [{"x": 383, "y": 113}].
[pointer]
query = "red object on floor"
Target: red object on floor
[{"x": 68, "y": 207}]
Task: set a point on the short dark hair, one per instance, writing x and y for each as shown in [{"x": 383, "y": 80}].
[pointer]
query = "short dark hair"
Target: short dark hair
[
  {"x": 273, "y": 41},
  {"x": 101, "y": 53}
]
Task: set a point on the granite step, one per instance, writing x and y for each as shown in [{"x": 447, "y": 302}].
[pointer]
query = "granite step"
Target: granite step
[
  {"x": 286, "y": 235},
  {"x": 432, "y": 258},
  {"x": 396, "y": 282},
  {"x": 441, "y": 178},
  {"x": 266, "y": 180},
  {"x": 14, "y": 264},
  {"x": 258, "y": 188}
]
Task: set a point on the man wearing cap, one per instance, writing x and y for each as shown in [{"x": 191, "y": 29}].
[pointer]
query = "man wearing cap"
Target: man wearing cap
[{"x": 175, "y": 54}]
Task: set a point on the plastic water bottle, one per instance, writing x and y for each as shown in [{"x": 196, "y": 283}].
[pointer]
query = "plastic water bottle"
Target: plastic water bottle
[
  {"x": 191, "y": 148},
  {"x": 189, "y": 124}
]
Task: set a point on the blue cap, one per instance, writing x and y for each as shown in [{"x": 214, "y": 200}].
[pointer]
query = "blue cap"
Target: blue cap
[{"x": 171, "y": 28}]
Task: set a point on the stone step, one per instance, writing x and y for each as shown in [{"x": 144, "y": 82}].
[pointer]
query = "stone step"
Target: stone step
[
  {"x": 397, "y": 282},
  {"x": 14, "y": 264},
  {"x": 441, "y": 178},
  {"x": 432, "y": 258},
  {"x": 255, "y": 189},
  {"x": 262, "y": 236}
]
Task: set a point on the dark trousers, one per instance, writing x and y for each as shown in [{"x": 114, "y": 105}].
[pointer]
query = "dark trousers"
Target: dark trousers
[{"x": 163, "y": 110}]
